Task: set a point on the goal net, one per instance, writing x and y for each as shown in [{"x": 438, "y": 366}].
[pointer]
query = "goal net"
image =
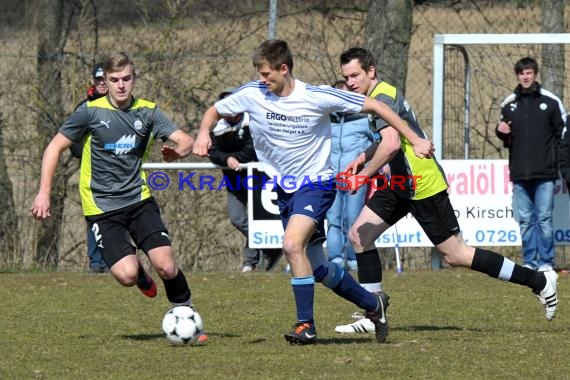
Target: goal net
[{"x": 472, "y": 75}]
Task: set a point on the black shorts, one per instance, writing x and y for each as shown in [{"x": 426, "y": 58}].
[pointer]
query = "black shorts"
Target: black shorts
[
  {"x": 116, "y": 231},
  {"x": 434, "y": 214}
]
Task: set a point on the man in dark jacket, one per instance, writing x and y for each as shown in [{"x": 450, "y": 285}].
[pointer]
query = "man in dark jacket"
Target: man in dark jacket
[
  {"x": 532, "y": 121},
  {"x": 231, "y": 146}
]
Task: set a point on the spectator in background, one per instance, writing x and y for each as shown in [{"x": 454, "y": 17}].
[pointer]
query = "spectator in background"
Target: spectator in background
[
  {"x": 565, "y": 156},
  {"x": 97, "y": 89},
  {"x": 351, "y": 135},
  {"x": 532, "y": 120},
  {"x": 231, "y": 146}
]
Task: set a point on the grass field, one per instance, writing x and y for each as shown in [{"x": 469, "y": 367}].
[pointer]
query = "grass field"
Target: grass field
[{"x": 449, "y": 324}]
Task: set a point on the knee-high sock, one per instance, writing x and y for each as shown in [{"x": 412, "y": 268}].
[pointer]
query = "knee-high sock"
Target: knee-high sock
[
  {"x": 369, "y": 266},
  {"x": 304, "y": 293},
  {"x": 351, "y": 291},
  {"x": 335, "y": 278},
  {"x": 177, "y": 290},
  {"x": 324, "y": 271},
  {"x": 316, "y": 254},
  {"x": 370, "y": 270},
  {"x": 497, "y": 266},
  {"x": 329, "y": 274},
  {"x": 142, "y": 281}
]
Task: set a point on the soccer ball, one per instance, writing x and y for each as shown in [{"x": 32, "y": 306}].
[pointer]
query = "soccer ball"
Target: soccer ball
[{"x": 182, "y": 325}]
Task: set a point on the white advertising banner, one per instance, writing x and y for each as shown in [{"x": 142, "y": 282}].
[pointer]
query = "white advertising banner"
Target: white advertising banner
[
  {"x": 265, "y": 228},
  {"x": 479, "y": 190}
]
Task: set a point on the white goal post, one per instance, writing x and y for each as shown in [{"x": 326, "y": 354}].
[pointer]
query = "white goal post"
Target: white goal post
[{"x": 441, "y": 40}]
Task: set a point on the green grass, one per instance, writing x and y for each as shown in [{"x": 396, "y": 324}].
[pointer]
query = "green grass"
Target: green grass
[{"x": 451, "y": 324}]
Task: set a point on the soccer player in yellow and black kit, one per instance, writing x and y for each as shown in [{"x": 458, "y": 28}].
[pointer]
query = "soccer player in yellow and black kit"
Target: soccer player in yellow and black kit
[
  {"x": 423, "y": 194},
  {"x": 118, "y": 131}
]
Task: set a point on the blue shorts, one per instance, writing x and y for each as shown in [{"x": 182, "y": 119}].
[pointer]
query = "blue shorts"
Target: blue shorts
[{"x": 311, "y": 200}]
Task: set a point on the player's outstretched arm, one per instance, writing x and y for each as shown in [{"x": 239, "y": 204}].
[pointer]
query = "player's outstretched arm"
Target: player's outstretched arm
[
  {"x": 41, "y": 205},
  {"x": 386, "y": 150},
  {"x": 203, "y": 141},
  {"x": 423, "y": 148},
  {"x": 183, "y": 148}
]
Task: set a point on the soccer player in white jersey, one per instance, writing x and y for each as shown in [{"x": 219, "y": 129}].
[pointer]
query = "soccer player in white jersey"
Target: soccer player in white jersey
[
  {"x": 290, "y": 126},
  {"x": 117, "y": 131}
]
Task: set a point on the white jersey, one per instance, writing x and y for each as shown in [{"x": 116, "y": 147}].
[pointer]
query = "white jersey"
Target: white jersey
[{"x": 291, "y": 134}]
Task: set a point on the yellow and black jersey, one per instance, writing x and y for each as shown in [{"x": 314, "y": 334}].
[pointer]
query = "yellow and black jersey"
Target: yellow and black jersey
[
  {"x": 116, "y": 141},
  {"x": 424, "y": 177}
]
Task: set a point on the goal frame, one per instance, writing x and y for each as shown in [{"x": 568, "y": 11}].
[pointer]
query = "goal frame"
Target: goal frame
[{"x": 441, "y": 40}]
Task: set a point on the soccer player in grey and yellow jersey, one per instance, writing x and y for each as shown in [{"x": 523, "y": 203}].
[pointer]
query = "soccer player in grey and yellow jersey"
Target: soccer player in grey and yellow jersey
[
  {"x": 424, "y": 195},
  {"x": 118, "y": 130}
]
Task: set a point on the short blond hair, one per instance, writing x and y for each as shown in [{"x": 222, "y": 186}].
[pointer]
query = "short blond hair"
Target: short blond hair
[{"x": 117, "y": 61}]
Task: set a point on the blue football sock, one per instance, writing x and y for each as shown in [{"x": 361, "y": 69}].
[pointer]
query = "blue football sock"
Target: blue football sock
[
  {"x": 351, "y": 290},
  {"x": 304, "y": 292}
]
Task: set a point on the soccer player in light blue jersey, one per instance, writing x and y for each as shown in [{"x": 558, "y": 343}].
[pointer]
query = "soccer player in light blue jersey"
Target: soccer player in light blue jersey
[{"x": 290, "y": 126}]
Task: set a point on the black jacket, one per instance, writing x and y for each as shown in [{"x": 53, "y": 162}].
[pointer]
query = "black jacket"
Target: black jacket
[
  {"x": 565, "y": 156},
  {"x": 232, "y": 141},
  {"x": 537, "y": 120}
]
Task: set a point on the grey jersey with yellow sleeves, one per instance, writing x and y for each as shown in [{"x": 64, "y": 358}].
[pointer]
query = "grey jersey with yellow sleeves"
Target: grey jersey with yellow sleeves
[
  {"x": 116, "y": 141},
  {"x": 425, "y": 177}
]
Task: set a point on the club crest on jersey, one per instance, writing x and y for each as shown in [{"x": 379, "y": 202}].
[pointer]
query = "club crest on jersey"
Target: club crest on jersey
[
  {"x": 124, "y": 145},
  {"x": 138, "y": 125}
]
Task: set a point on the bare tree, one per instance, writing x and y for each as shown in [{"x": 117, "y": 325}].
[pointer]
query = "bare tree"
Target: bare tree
[
  {"x": 50, "y": 116},
  {"x": 388, "y": 33},
  {"x": 8, "y": 219},
  {"x": 186, "y": 51},
  {"x": 552, "y": 71}
]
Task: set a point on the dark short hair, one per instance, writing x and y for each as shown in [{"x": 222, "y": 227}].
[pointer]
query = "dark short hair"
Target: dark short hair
[
  {"x": 275, "y": 53},
  {"x": 526, "y": 63},
  {"x": 364, "y": 56}
]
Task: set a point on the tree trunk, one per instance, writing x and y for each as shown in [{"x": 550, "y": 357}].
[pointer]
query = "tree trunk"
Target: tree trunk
[
  {"x": 552, "y": 70},
  {"x": 388, "y": 33},
  {"x": 8, "y": 215},
  {"x": 50, "y": 117}
]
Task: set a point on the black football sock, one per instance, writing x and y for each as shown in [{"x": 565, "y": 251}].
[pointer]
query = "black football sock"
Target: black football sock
[
  {"x": 142, "y": 281},
  {"x": 177, "y": 289},
  {"x": 497, "y": 266},
  {"x": 369, "y": 267}
]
